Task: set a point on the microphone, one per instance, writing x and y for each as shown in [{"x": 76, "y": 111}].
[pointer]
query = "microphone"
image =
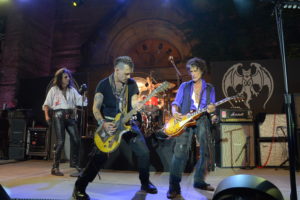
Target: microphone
[
  {"x": 171, "y": 58},
  {"x": 83, "y": 88}
]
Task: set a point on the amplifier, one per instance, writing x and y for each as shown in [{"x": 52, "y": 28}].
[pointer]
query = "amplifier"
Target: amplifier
[
  {"x": 38, "y": 142},
  {"x": 236, "y": 145},
  {"x": 273, "y": 154},
  {"x": 274, "y": 125},
  {"x": 236, "y": 115}
]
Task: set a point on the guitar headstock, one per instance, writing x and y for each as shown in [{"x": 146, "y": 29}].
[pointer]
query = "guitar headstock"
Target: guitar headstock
[
  {"x": 165, "y": 85},
  {"x": 238, "y": 98}
]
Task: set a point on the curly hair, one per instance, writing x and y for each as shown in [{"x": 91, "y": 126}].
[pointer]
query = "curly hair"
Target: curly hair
[
  {"x": 197, "y": 62},
  {"x": 125, "y": 60},
  {"x": 59, "y": 75}
]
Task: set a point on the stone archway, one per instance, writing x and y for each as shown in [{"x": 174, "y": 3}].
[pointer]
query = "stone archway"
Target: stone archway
[
  {"x": 152, "y": 53},
  {"x": 149, "y": 42}
]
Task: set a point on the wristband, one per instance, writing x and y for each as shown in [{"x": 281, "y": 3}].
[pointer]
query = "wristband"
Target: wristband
[{"x": 101, "y": 122}]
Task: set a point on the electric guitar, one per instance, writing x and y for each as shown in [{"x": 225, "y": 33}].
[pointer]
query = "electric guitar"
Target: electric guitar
[
  {"x": 175, "y": 127},
  {"x": 110, "y": 142}
]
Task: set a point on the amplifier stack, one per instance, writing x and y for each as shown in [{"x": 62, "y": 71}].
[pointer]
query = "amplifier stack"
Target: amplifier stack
[
  {"x": 272, "y": 140},
  {"x": 236, "y": 139}
]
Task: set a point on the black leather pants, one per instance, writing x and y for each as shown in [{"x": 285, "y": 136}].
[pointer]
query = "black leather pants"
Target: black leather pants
[{"x": 61, "y": 124}]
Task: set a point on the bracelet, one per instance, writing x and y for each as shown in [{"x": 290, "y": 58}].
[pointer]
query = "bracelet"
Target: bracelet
[{"x": 101, "y": 122}]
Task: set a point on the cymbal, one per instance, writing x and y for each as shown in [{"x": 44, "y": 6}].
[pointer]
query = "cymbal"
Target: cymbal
[
  {"x": 171, "y": 85},
  {"x": 141, "y": 82}
]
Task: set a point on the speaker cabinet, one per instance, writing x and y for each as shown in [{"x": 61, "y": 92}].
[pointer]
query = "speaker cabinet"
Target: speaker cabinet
[
  {"x": 17, "y": 139},
  {"x": 236, "y": 145},
  {"x": 274, "y": 153},
  {"x": 274, "y": 125},
  {"x": 17, "y": 132}
]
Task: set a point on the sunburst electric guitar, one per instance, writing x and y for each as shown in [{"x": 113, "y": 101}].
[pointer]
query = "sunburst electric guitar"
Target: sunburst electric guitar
[
  {"x": 175, "y": 127},
  {"x": 110, "y": 142}
]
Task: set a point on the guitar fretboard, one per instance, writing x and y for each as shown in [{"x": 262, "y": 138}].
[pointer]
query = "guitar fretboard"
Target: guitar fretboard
[
  {"x": 161, "y": 88},
  {"x": 216, "y": 104}
]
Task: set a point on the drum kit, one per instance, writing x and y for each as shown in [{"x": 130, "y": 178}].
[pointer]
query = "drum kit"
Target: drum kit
[{"x": 156, "y": 111}]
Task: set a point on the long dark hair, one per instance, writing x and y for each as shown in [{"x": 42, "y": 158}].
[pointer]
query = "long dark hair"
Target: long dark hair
[
  {"x": 197, "y": 62},
  {"x": 59, "y": 75}
]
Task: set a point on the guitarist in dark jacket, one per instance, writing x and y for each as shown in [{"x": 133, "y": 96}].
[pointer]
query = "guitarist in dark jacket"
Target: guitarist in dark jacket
[
  {"x": 192, "y": 95},
  {"x": 115, "y": 94}
]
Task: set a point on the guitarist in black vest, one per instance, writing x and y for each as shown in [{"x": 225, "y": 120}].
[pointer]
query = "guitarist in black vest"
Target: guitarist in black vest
[
  {"x": 115, "y": 94},
  {"x": 192, "y": 95}
]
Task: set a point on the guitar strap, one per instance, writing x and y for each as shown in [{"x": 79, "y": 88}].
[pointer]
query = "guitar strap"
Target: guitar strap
[
  {"x": 125, "y": 107},
  {"x": 208, "y": 89}
]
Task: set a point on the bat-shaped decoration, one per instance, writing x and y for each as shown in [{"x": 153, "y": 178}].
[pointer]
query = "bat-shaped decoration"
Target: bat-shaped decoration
[{"x": 248, "y": 81}]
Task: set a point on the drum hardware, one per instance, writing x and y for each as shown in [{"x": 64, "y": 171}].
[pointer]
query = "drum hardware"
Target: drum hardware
[
  {"x": 142, "y": 84},
  {"x": 175, "y": 91},
  {"x": 156, "y": 112}
]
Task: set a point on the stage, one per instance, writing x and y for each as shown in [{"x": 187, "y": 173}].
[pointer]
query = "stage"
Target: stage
[{"x": 31, "y": 179}]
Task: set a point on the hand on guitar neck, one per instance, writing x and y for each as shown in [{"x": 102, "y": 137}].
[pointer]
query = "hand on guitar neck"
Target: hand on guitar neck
[
  {"x": 211, "y": 108},
  {"x": 138, "y": 107}
]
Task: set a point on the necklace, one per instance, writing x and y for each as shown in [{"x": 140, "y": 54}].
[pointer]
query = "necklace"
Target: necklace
[{"x": 197, "y": 90}]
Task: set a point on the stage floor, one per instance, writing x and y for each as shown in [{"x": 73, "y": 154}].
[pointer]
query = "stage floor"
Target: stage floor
[{"x": 31, "y": 179}]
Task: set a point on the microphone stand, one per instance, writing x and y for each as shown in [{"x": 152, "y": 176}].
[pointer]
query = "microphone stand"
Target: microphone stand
[
  {"x": 178, "y": 74},
  {"x": 81, "y": 116},
  {"x": 287, "y": 97}
]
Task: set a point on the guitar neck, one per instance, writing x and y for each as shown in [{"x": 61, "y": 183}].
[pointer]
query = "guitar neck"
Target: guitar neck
[
  {"x": 127, "y": 117},
  {"x": 216, "y": 104}
]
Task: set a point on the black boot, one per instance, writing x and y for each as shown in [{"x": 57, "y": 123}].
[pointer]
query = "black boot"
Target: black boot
[
  {"x": 79, "y": 191},
  {"x": 149, "y": 188},
  {"x": 55, "y": 171},
  {"x": 172, "y": 194}
]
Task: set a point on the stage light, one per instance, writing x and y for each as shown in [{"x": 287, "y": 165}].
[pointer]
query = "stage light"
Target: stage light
[
  {"x": 246, "y": 187},
  {"x": 76, "y": 3},
  {"x": 291, "y": 4},
  {"x": 244, "y": 7},
  {"x": 3, "y": 194}
]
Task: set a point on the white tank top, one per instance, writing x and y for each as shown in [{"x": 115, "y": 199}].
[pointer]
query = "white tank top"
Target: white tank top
[{"x": 194, "y": 99}]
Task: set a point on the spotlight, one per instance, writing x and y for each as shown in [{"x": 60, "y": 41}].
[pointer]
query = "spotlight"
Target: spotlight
[
  {"x": 246, "y": 187},
  {"x": 291, "y": 4},
  {"x": 3, "y": 194},
  {"x": 76, "y": 3}
]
